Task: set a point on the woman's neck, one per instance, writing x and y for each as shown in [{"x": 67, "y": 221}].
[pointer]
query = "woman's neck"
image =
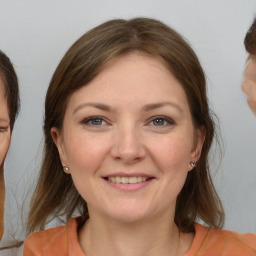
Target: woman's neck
[{"x": 156, "y": 236}]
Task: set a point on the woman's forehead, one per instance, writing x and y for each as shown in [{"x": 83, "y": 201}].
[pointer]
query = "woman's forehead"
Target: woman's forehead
[{"x": 131, "y": 81}]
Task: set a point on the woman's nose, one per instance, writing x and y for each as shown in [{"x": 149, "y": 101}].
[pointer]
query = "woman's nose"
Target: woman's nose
[{"x": 128, "y": 145}]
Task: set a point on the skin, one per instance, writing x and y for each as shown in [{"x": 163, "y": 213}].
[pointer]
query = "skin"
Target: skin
[
  {"x": 158, "y": 141},
  {"x": 249, "y": 82},
  {"x": 5, "y": 137}
]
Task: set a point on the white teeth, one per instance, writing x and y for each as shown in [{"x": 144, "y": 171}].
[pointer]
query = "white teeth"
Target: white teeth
[
  {"x": 125, "y": 180},
  {"x": 139, "y": 179},
  {"x": 132, "y": 180},
  {"x": 117, "y": 180}
]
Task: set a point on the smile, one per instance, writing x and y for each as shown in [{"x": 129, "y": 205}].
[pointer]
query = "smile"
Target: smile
[{"x": 128, "y": 180}]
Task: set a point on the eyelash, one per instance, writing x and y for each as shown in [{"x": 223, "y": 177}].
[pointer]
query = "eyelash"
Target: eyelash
[
  {"x": 165, "y": 121},
  {"x": 91, "y": 119}
]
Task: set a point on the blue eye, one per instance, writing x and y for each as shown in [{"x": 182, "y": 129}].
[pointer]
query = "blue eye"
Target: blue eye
[
  {"x": 161, "y": 121},
  {"x": 94, "y": 121}
]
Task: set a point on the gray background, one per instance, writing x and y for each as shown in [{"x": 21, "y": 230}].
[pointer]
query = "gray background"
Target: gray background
[{"x": 36, "y": 34}]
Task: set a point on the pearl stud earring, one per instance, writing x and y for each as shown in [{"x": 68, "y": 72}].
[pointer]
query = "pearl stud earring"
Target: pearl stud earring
[{"x": 193, "y": 163}]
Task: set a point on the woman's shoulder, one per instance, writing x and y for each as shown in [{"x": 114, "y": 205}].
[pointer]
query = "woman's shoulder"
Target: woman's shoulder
[
  {"x": 54, "y": 241},
  {"x": 47, "y": 242},
  {"x": 233, "y": 239},
  {"x": 210, "y": 241}
]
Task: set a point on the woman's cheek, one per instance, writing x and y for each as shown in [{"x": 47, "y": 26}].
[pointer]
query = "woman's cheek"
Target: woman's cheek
[
  {"x": 171, "y": 153},
  {"x": 87, "y": 152}
]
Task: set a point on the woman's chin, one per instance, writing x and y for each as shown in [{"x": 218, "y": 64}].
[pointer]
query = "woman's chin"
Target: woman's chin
[{"x": 126, "y": 214}]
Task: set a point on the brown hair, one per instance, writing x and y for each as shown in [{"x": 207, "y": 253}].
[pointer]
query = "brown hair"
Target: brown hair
[
  {"x": 250, "y": 39},
  {"x": 11, "y": 89},
  {"x": 55, "y": 193}
]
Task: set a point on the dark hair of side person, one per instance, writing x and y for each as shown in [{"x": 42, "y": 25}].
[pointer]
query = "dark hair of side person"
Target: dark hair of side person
[{"x": 250, "y": 39}]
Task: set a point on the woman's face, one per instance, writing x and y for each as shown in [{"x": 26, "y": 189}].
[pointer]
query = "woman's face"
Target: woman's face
[
  {"x": 128, "y": 139},
  {"x": 249, "y": 83},
  {"x": 4, "y": 125}
]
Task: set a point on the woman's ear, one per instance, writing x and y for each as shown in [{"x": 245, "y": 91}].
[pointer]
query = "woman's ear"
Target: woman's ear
[
  {"x": 58, "y": 140},
  {"x": 198, "y": 145}
]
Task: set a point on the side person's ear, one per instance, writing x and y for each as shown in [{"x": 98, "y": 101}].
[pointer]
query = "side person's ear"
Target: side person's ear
[
  {"x": 58, "y": 140},
  {"x": 249, "y": 82}
]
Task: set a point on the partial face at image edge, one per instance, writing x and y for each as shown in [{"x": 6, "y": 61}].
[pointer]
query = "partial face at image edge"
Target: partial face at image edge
[
  {"x": 5, "y": 137},
  {"x": 249, "y": 82}
]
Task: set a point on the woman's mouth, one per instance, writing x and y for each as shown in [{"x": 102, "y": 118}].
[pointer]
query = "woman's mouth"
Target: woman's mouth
[
  {"x": 127, "y": 180},
  {"x": 131, "y": 183}
]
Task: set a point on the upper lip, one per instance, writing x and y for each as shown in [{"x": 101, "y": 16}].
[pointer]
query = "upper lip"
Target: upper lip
[{"x": 123, "y": 174}]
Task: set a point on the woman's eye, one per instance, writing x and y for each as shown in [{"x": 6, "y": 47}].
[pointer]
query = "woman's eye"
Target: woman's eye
[
  {"x": 94, "y": 121},
  {"x": 161, "y": 121},
  {"x": 2, "y": 129}
]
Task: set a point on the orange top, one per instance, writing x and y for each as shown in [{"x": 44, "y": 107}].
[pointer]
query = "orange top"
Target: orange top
[{"x": 63, "y": 241}]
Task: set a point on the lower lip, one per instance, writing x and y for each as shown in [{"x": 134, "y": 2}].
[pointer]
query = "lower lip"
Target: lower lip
[{"x": 129, "y": 186}]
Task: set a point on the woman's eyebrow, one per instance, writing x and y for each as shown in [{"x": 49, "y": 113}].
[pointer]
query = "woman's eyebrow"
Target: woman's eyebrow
[
  {"x": 153, "y": 106},
  {"x": 147, "y": 107},
  {"x": 95, "y": 105}
]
